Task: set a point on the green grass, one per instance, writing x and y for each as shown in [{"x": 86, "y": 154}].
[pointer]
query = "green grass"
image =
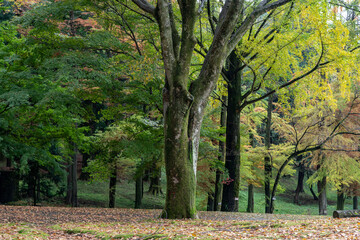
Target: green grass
[{"x": 95, "y": 194}]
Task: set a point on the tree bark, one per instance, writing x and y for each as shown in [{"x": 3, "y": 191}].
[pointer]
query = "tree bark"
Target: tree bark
[
  {"x": 250, "y": 205},
  {"x": 155, "y": 179},
  {"x": 139, "y": 192},
  {"x": 112, "y": 188},
  {"x": 219, "y": 174},
  {"x": 230, "y": 201},
  {"x": 340, "y": 200},
  {"x": 267, "y": 160},
  {"x": 322, "y": 196},
  {"x": 210, "y": 201},
  {"x": 300, "y": 183},
  {"x": 355, "y": 202},
  {"x": 313, "y": 193},
  {"x": 71, "y": 195}
]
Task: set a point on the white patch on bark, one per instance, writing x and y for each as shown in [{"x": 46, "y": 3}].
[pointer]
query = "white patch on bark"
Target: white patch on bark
[
  {"x": 175, "y": 180},
  {"x": 195, "y": 149}
]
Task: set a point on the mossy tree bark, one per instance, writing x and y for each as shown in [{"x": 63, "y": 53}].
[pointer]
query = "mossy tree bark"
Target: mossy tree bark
[{"x": 184, "y": 103}]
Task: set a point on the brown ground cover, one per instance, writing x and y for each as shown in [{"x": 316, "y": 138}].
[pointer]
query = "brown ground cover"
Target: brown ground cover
[{"x": 24, "y": 222}]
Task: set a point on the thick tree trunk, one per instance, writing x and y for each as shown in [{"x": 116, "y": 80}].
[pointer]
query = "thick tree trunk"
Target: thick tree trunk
[
  {"x": 322, "y": 196},
  {"x": 355, "y": 202},
  {"x": 250, "y": 205},
  {"x": 180, "y": 155},
  {"x": 267, "y": 160},
  {"x": 112, "y": 188},
  {"x": 230, "y": 200},
  {"x": 219, "y": 174},
  {"x": 300, "y": 183},
  {"x": 340, "y": 200}
]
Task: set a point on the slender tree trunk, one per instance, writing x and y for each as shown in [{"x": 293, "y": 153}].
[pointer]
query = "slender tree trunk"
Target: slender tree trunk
[
  {"x": 250, "y": 205},
  {"x": 322, "y": 196},
  {"x": 340, "y": 200},
  {"x": 313, "y": 193},
  {"x": 155, "y": 179},
  {"x": 112, "y": 188},
  {"x": 230, "y": 200},
  {"x": 300, "y": 183},
  {"x": 139, "y": 192},
  {"x": 267, "y": 160},
  {"x": 219, "y": 174},
  {"x": 210, "y": 201},
  {"x": 355, "y": 202},
  {"x": 71, "y": 195}
]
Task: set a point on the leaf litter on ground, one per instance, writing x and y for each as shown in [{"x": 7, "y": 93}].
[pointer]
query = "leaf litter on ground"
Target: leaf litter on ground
[{"x": 25, "y": 222}]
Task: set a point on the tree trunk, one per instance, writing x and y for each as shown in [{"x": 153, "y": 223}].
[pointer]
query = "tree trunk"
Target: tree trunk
[
  {"x": 71, "y": 194},
  {"x": 267, "y": 160},
  {"x": 112, "y": 188},
  {"x": 340, "y": 200},
  {"x": 181, "y": 149},
  {"x": 250, "y": 205},
  {"x": 300, "y": 183},
  {"x": 219, "y": 174},
  {"x": 155, "y": 179},
  {"x": 139, "y": 192},
  {"x": 322, "y": 196},
  {"x": 230, "y": 201},
  {"x": 313, "y": 193},
  {"x": 355, "y": 202},
  {"x": 210, "y": 201}
]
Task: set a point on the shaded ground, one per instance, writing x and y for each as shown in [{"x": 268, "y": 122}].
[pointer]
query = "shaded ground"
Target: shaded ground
[{"x": 98, "y": 223}]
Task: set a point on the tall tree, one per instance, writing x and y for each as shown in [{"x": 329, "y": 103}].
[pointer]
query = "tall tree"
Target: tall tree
[{"x": 184, "y": 102}]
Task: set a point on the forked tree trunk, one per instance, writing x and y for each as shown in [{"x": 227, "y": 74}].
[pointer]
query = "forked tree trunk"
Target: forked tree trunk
[
  {"x": 250, "y": 205},
  {"x": 230, "y": 200},
  {"x": 322, "y": 196}
]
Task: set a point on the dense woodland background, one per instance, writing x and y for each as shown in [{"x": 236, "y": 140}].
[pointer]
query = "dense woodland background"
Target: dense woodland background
[{"x": 83, "y": 93}]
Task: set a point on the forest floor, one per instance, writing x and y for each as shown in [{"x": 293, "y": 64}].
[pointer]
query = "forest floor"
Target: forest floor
[{"x": 25, "y": 222}]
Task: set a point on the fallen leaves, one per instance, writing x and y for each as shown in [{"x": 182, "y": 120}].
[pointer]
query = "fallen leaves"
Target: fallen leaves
[{"x": 99, "y": 223}]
